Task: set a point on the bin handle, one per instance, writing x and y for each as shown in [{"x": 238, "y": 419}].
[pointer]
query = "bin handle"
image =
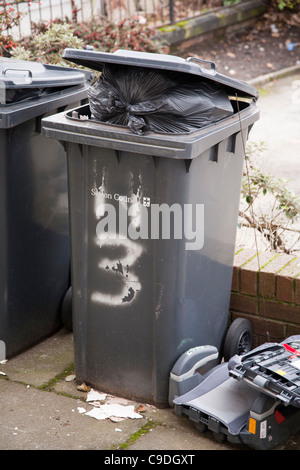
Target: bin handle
[
  {"x": 18, "y": 76},
  {"x": 202, "y": 61}
]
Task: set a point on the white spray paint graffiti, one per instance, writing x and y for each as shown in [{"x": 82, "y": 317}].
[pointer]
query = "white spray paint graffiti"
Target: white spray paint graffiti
[
  {"x": 131, "y": 283},
  {"x": 122, "y": 267},
  {"x": 122, "y": 219}
]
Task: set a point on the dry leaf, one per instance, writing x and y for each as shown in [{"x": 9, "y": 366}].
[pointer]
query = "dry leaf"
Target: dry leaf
[
  {"x": 70, "y": 378},
  {"x": 140, "y": 409},
  {"x": 83, "y": 388}
]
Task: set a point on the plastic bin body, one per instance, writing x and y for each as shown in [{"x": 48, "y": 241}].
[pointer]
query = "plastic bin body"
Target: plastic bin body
[
  {"x": 34, "y": 230},
  {"x": 139, "y": 301}
]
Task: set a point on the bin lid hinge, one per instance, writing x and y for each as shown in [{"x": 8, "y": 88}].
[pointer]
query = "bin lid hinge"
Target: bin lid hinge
[
  {"x": 9, "y": 134},
  {"x": 80, "y": 146},
  {"x": 231, "y": 143},
  {"x": 118, "y": 155},
  {"x": 214, "y": 153},
  {"x": 187, "y": 162},
  {"x": 156, "y": 160},
  {"x": 249, "y": 129},
  {"x": 64, "y": 144}
]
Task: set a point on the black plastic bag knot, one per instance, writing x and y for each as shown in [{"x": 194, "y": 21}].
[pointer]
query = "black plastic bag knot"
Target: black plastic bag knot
[{"x": 147, "y": 100}]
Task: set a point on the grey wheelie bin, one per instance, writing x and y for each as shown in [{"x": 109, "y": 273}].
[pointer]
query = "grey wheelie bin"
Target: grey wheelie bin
[
  {"x": 34, "y": 230},
  {"x": 153, "y": 225}
]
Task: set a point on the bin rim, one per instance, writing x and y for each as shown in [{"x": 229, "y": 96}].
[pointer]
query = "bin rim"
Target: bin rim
[
  {"x": 177, "y": 146},
  {"x": 95, "y": 60}
]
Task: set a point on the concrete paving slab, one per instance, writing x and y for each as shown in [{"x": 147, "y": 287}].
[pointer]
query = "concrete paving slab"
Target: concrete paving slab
[
  {"x": 42, "y": 362},
  {"x": 32, "y": 419},
  {"x": 40, "y": 411}
]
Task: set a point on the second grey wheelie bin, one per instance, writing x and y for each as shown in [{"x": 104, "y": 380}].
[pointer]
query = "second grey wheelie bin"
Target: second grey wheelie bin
[
  {"x": 153, "y": 225},
  {"x": 34, "y": 224}
]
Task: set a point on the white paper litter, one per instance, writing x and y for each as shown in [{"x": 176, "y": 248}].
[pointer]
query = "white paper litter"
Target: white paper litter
[
  {"x": 97, "y": 413},
  {"x": 120, "y": 401},
  {"x": 81, "y": 410},
  {"x": 93, "y": 395},
  {"x": 113, "y": 411},
  {"x": 116, "y": 419},
  {"x": 70, "y": 378}
]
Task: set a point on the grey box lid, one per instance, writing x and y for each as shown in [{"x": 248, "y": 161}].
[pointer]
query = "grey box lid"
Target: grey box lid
[
  {"x": 30, "y": 89},
  {"x": 19, "y": 74},
  {"x": 193, "y": 66}
]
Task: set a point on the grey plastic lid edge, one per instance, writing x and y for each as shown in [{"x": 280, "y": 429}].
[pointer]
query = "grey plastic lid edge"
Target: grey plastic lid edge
[
  {"x": 95, "y": 60},
  {"x": 42, "y": 77}
]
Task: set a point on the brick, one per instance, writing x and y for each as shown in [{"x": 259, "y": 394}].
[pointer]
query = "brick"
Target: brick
[
  {"x": 266, "y": 284},
  {"x": 248, "y": 272},
  {"x": 285, "y": 281},
  {"x": 276, "y": 316},
  {"x": 292, "y": 330},
  {"x": 263, "y": 329},
  {"x": 243, "y": 303},
  {"x": 242, "y": 256},
  {"x": 248, "y": 281},
  {"x": 291, "y": 269},
  {"x": 235, "y": 284},
  {"x": 267, "y": 274},
  {"x": 279, "y": 311},
  {"x": 285, "y": 289},
  {"x": 297, "y": 290},
  {"x": 279, "y": 262},
  {"x": 236, "y": 315},
  {"x": 277, "y": 333}
]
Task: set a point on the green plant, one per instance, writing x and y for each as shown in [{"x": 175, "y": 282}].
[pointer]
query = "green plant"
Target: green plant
[
  {"x": 268, "y": 204},
  {"x": 9, "y": 18},
  {"x": 51, "y": 39},
  {"x": 290, "y": 4},
  {"x": 229, "y": 2},
  {"x": 126, "y": 34},
  {"x": 48, "y": 46}
]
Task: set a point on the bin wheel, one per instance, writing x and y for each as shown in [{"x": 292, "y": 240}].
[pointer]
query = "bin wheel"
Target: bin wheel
[
  {"x": 238, "y": 338},
  {"x": 66, "y": 310}
]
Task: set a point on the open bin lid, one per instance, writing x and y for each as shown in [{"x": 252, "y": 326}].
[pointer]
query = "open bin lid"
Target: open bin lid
[
  {"x": 193, "y": 66},
  {"x": 20, "y": 79}
]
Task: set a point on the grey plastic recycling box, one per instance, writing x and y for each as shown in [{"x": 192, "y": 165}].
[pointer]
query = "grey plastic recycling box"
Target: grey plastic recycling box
[
  {"x": 34, "y": 229},
  {"x": 153, "y": 226}
]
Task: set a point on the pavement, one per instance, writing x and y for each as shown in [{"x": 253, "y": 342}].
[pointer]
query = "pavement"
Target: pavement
[
  {"x": 41, "y": 405},
  {"x": 279, "y": 125},
  {"x": 41, "y": 409},
  {"x": 278, "y": 129}
]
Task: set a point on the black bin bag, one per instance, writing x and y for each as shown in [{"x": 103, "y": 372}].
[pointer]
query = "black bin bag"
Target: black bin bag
[{"x": 160, "y": 101}]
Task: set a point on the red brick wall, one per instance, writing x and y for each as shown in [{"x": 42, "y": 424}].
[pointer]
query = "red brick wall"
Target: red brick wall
[{"x": 266, "y": 290}]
